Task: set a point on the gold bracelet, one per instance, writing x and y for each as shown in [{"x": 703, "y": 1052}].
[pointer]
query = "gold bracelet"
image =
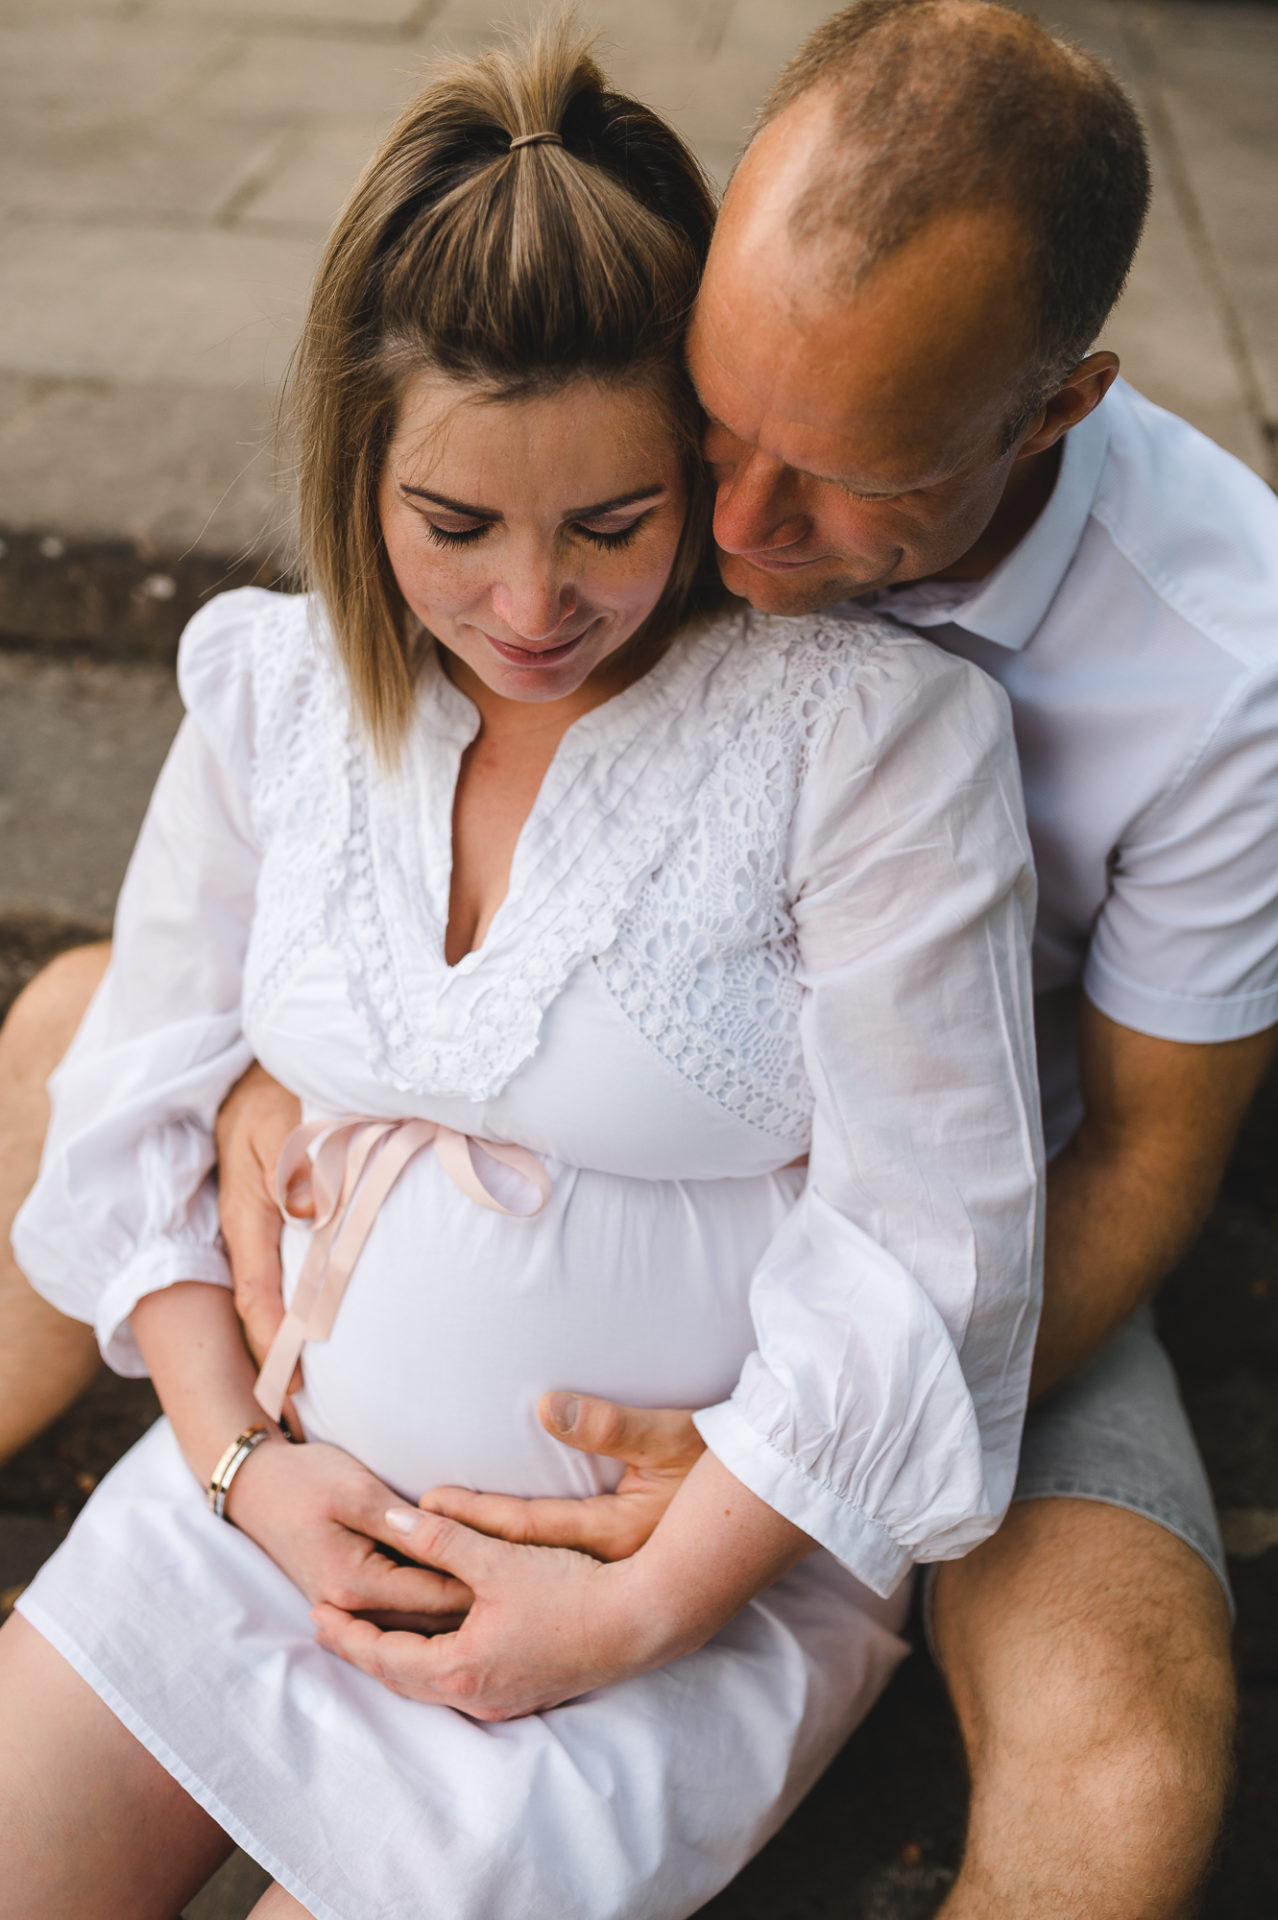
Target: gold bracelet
[{"x": 230, "y": 1463}]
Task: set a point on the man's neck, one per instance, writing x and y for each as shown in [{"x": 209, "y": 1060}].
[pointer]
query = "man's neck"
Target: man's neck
[{"x": 1028, "y": 490}]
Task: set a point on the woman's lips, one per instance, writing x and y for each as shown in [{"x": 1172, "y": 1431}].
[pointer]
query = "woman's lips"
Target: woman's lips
[{"x": 535, "y": 656}]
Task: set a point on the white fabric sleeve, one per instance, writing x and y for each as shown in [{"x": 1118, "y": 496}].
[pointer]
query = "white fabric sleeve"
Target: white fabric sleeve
[
  {"x": 1186, "y": 945},
  {"x": 896, "y": 1308},
  {"x": 125, "y": 1202}
]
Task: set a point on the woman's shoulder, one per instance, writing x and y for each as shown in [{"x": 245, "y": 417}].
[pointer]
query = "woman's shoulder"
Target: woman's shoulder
[
  {"x": 236, "y": 633},
  {"x": 248, "y": 662}
]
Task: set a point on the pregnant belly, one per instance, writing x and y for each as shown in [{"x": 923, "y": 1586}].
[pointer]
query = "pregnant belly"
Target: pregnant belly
[{"x": 456, "y": 1320}]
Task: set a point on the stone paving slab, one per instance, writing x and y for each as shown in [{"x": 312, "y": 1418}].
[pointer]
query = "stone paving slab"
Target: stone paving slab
[
  {"x": 1178, "y": 326},
  {"x": 169, "y": 169},
  {"x": 124, "y": 442},
  {"x": 79, "y": 750},
  {"x": 1220, "y": 97},
  {"x": 203, "y": 306}
]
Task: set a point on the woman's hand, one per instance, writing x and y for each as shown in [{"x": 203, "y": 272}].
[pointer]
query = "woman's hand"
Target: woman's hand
[
  {"x": 658, "y": 1445},
  {"x": 548, "y": 1624},
  {"x": 320, "y": 1515}
]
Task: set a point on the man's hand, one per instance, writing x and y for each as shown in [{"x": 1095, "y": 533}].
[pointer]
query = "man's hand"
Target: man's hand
[
  {"x": 320, "y": 1515},
  {"x": 546, "y": 1624},
  {"x": 658, "y": 1447},
  {"x": 256, "y": 1119}
]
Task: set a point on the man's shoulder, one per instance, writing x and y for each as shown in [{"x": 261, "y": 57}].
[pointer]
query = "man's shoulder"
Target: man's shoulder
[{"x": 1195, "y": 524}]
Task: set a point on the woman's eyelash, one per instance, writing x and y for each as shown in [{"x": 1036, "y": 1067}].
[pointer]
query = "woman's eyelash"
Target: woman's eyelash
[
  {"x": 606, "y": 542},
  {"x": 443, "y": 538},
  {"x": 609, "y": 542}
]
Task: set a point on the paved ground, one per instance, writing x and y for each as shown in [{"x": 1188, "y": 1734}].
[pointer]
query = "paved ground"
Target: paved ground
[
  {"x": 169, "y": 168},
  {"x": 167, "y": 171}
]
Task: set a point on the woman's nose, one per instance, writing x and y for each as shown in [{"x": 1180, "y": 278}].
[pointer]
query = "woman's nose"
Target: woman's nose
[
  {"x": 535, "y": 604},
  {"x": 755, "y": 507}
]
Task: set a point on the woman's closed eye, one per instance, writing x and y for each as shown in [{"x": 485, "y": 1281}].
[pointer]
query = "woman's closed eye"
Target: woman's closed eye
[
  {"x": 607, "y": 538},
  {"x": 612, "y": 537},
  {"x": 455, "y": 536}
]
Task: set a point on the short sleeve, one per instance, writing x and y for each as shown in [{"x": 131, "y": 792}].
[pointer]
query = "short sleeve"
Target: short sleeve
[
  {"x": 895, "y": 1311},
  {"x": 125, "y": 1203},
  {"x": 1186, "y": 944}
]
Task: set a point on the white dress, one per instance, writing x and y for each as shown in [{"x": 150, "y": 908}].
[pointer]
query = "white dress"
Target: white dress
[{"x": 773, "y": 898}]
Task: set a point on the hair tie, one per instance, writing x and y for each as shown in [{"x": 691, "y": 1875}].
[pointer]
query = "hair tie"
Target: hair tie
[{"x": 537, "y": 139}]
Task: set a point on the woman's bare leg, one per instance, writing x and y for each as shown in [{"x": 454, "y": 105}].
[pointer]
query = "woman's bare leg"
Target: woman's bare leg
[
  {"x": 275, "y": 1904},
  {"x": 91, "y": 1827},
  {"x": 46, "y": 1361}
]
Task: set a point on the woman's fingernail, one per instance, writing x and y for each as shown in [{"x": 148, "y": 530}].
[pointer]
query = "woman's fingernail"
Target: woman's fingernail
[
  {"x": 402, "y": 1519},
  {"x": 563, "y": 1408}
]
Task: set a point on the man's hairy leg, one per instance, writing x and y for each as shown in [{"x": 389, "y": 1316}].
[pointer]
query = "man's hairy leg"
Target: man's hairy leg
[
  {"x": 46, "y": 1360},
  {"x": 1087, "y": 1654}
]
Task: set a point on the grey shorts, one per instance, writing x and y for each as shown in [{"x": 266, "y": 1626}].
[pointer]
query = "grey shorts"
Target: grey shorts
[{"x": 1118, "y": 1433}]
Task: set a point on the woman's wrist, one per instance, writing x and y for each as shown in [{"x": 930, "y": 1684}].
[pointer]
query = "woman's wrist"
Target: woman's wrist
[
  {"x": 190, "y": 1339},
  {"x": 239, "y": 1501}
]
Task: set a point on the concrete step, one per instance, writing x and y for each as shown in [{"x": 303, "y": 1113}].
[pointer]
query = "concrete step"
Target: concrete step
[
  {"x": 81, "y": 743},
  {"x": 232, "y": 1893},
  {"x": 69, "y": 596}
]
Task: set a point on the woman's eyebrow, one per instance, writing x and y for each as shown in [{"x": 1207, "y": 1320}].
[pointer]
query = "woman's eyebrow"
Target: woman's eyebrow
[
  {"x": 453, "y": 506},
  {"x": 614, "y": 505},
  {"x": 620, "y": 501}
]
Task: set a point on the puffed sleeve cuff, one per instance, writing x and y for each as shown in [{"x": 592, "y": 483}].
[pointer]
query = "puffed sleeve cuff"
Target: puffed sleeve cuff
[
  {"x": 1196, "y": 1019},
  {"x": 150, "y": 1270},
  {"x": 859, "y": 1542}
]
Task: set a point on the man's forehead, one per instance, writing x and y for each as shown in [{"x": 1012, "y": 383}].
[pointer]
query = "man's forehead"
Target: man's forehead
[
  {"x": 878, "y": 449},
  {"x": 904, "y": 370},
  {"x": 832, "y": 399}
]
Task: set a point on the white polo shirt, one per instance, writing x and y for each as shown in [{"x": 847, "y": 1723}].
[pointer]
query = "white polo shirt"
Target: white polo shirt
[{"x": 1135, "y": 629}]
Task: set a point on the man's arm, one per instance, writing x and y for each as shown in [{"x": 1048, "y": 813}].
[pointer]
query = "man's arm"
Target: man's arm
[
  {"x": 1128, "y": 1194},
  {"x": 256, "y": 1119}
]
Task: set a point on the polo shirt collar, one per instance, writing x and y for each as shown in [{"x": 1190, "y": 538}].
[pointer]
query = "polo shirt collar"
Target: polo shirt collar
[{"x": 1012, "y": 602}]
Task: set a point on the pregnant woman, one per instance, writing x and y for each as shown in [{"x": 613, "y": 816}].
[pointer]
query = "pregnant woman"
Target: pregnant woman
[{"x": 578, "y": 907}]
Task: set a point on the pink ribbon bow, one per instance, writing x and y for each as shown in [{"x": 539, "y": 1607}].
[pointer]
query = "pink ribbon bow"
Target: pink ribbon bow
[{"x": 352, "y": 1170}]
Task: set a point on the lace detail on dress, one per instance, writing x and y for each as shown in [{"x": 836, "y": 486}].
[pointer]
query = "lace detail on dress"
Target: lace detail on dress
[
  {"x": 704, "y": 962},
  {"x": 612, "y": 801},
  {"x": 301, "y": 821},
  {"x": 657, "y": 846}
]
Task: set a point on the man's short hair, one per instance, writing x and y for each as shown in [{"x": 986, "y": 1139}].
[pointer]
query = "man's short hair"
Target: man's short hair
[{"x": 941, "y": 104}]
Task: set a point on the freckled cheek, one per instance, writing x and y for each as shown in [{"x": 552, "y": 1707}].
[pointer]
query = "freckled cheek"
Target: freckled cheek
[
  {"x": 441, "y": 582},
  {"x": 637, "y": 576}
]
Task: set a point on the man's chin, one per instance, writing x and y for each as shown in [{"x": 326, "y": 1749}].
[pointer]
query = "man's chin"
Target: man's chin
[{"x": 802, "y": 591}]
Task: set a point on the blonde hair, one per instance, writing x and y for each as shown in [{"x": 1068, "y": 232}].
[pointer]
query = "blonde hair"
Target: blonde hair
[{"x": 518, "y": 270}]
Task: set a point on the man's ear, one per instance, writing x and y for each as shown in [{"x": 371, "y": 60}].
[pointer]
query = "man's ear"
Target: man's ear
[{"x": 1077, "y": 396}]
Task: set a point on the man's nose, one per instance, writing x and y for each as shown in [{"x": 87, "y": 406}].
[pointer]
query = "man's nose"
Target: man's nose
[
  {"x": 756, "y": 506},
  {"x": 535, "y": 604}
]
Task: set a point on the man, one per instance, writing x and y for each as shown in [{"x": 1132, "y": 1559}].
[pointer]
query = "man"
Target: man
[{"x": 914, "y": 258}]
